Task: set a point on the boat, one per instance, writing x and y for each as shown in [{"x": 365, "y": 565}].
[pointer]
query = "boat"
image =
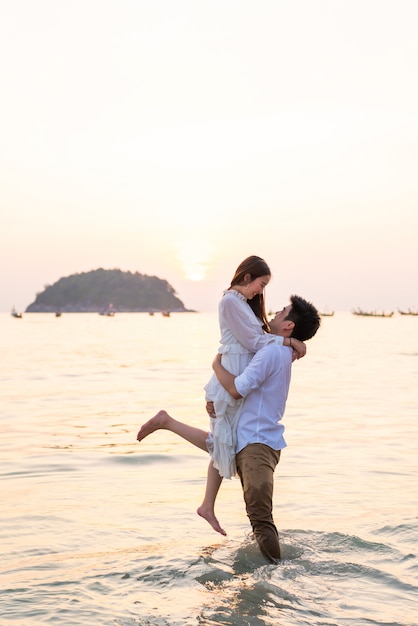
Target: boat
[
  {"x": 58, "y": 313},
  {"x": 165, "y": 313},
  {"x": 325, "y": 314},
  {"x": 108, "y": 311},
  {"x": 14, "y": 313},
  {"x": 408, "y": 312},
  {"x": 359, "y": 311}
]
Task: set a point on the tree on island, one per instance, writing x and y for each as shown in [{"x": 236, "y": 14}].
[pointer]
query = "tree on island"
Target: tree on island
[{"x": 94, "y": 291}]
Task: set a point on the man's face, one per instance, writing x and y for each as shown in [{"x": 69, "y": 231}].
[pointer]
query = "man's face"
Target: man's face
[{"x": 279, "y": 325}]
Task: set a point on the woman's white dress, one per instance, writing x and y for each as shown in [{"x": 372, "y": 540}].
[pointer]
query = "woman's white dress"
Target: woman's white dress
[{"x": 241, "y": 336}]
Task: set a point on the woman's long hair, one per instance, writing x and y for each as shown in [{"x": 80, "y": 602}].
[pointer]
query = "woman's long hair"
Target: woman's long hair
[{"x": 255, "y": 267}]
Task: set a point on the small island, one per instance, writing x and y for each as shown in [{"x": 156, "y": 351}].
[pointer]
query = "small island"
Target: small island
[{"x": 97, "y": 290}]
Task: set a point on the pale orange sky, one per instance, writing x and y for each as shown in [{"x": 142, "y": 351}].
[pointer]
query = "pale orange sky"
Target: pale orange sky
[{"x": 177, "y": 138}]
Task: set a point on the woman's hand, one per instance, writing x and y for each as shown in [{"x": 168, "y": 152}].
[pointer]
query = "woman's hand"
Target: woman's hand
[{"x": 299, "y": 348}]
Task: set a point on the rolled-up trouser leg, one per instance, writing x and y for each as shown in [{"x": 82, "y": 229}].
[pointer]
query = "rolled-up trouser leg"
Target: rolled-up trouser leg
[{"x": 256, "y": 464}]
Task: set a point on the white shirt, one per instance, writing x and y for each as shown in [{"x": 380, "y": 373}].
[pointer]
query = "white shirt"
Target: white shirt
[
  {"x": 241, "y": 336},
  {"x": 265, "y": 385},
  {"x": 241, "y": 331}
]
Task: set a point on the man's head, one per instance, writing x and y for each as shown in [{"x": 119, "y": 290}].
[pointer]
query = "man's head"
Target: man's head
[{"x": 300, "y": 319}]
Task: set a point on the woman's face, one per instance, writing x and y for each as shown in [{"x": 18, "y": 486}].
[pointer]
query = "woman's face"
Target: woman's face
[{"x": 256, "y": 286}]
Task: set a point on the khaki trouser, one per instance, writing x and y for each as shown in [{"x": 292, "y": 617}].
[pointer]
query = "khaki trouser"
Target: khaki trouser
[{"x": 255, "y": 465}]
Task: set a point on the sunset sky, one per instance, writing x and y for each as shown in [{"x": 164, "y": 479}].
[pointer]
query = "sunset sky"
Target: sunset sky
[{"x": 176, "y": 137}]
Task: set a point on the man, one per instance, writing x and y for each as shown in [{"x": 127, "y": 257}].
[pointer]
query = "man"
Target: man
[{"x": 265, "y": 384}]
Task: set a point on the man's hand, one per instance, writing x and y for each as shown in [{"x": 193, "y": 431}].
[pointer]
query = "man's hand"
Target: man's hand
[{"x": 210, "y": 408}]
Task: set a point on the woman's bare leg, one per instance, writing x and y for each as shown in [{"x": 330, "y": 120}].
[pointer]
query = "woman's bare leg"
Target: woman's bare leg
[
  {"x": 197, "y": 437},
  {"x": 207, "y": 508},
  {"x": 162, "y": 420}
]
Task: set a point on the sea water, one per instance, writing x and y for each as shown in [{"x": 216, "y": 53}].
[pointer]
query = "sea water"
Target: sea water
[{"x": 97, "y": 528}]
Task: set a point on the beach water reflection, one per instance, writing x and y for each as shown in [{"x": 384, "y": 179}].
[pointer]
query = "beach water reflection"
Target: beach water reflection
[{"x": 98, "y": 529}]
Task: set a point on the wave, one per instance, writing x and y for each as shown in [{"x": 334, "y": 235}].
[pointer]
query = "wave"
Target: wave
[
  {"x": 321, "y": 574},
  {"x": 325, "y": 579}
]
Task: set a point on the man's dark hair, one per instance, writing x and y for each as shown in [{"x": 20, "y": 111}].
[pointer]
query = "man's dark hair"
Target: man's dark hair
[{"x": 305, "y": 317}]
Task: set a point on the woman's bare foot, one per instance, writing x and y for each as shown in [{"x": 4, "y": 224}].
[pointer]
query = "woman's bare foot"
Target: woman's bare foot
[
  {"x": 160, "y": 420},
  {"x": 210, "y": 517}
]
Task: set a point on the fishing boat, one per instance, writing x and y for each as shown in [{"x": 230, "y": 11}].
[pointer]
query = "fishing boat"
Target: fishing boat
[
  {"x": 165, "y": 313},
  {"x": 108, "y": 311},
  {"x": 359, "y": 311},
  {"x": 327, "y": 314},
  {"x": 408, "y": 312},
  {"x": 14, "y": 313}
]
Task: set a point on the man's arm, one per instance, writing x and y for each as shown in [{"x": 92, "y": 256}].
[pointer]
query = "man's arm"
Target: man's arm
[{"x": 225, "y": 378}]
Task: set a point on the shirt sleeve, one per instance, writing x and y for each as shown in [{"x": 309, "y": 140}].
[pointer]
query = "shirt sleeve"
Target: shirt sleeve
[
  {"x": 261, "y": 367},
  {"x": 245, "y": 326}
]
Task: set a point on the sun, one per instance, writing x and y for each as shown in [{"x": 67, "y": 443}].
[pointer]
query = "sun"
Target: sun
[{"x": 194, "y": 258}]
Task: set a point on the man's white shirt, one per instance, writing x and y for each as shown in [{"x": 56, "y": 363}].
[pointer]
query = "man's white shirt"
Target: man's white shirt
[{"x": 264, "y": 385}]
